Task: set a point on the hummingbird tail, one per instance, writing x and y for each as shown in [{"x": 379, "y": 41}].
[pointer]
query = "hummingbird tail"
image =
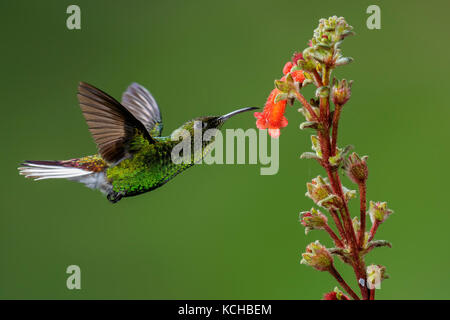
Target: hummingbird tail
[
  {"x": 40, "y": 170},
  {"x": 88, "y": 170}
]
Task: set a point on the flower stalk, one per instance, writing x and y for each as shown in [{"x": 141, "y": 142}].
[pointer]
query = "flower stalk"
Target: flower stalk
[
  {"x": 343, "y": 284},
  {"x": 352, "y": 242}
]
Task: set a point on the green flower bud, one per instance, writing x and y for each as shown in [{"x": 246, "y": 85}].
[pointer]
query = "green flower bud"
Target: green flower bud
[
  {"x": 313, "y": 220},
  {"x": 378, "y": 211},
  {"x": 356, "y": 168},
  {"x": 318, "y": 189},
  {"x": 341, "y": 91},
  {"x": 317, "y": 256},
  {"x": 331, "y": 202}
]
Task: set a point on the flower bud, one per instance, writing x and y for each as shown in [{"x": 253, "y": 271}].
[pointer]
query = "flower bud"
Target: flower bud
[
  {"x": 331, "y": 202},
  {"x": 378, "y": 211},
  {"x": 313, "y": 219},
  {"x": 317, "y": 256},
  {"x": 318, "y": 189},
  {"x": 356, "y": 168},
  {"x": 375, "y": 274},
  {"x": 341, "y": 92},
  {"x": 336, "y": 294}
]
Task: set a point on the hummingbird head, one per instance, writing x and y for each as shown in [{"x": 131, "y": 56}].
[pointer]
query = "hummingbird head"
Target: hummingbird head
[
  {"x": 216, "y": 122},
  {"x": 206, "y": 126}
]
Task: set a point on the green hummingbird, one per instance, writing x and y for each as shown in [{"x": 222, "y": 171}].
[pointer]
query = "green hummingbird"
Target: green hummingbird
[{"x": 133, "y": 157}]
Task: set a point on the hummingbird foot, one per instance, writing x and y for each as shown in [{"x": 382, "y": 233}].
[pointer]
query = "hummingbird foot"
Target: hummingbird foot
[{"x": 114, "y": 196}]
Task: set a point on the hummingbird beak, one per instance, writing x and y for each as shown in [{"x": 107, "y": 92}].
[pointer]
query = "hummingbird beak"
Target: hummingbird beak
[{"x": 227, "y": 116}]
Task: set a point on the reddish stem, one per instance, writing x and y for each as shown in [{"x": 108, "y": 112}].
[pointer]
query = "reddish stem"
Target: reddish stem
[
  {"x": 373, "y": 230},
  {"x": 333, "y": 235},
  {"x": 347, "y": 236},
  {"x": 337, "y": 189},
  {"x": 307, "y": 106},
  {"x": 334, "y": 132},
  {"x": 325, "y": 113},
  {"x": 357, "y": 264},
  {"x": 362, "y": 211},
  {"x": 317, "y": 78},
  {"x": 372, "y": 294},
  {"x": 342, "y": 282},
  {"x": 338, "y": 224}
]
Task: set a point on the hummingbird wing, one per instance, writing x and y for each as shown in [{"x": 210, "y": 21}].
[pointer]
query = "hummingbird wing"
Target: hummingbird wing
[
  {"x": 143, "y": 106},
  {"x": 112, "y": 126}
]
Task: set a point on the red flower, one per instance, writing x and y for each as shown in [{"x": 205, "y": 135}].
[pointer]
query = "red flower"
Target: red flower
[{"x": 272, "y": 117}]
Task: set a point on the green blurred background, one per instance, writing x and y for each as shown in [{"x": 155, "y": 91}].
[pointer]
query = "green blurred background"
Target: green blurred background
[{"x": 220, "y": 231}]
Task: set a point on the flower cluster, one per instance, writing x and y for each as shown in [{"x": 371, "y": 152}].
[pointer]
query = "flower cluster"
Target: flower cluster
[{"x": 314, "y": 65}]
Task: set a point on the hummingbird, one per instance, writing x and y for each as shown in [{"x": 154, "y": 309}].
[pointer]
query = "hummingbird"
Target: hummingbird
[{"x": 133, "y": 157}]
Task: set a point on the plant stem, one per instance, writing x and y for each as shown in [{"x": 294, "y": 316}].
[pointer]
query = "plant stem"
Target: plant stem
[
  {"x": 306, "y": 104},
  {"x": 358, "y": 263},
  {"x": 334, "y": 133},
  {"x": 338, "y": 224},
  {"x": 347, "y": 236},
  {"x": 333, "y": 235},
  {"x": 328, "y": 149},
  {"x": 362, "y": 211},
  {"x": 372, "y": 294},
  {"x": 337, "y": 189},
  {"x": 317, "y": 78},
  {"x": 373, "y": 230},
  {"x": 342, "y": 282}
]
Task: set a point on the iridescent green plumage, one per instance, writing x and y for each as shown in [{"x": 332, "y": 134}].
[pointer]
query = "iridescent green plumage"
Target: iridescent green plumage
[{"x": 150, "y": 167}]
